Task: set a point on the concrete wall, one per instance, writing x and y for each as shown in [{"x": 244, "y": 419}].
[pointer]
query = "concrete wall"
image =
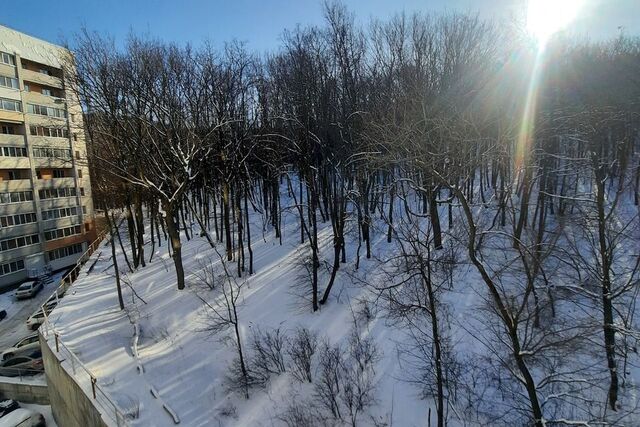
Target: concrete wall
[
  {"x": 24, "y": 392},
  {"x": 71, "y": 407}
]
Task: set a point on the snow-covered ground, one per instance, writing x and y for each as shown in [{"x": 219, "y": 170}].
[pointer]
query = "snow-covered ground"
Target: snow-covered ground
[
  {"x": 177, "y": 362},
  {"x": 187, "y": 365},
  {"x": 14, "y": 326},
  {"x": 44, "y": 410}
]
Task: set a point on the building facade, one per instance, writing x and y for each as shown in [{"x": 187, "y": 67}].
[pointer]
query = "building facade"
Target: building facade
[{"x": 46, "y": 210}]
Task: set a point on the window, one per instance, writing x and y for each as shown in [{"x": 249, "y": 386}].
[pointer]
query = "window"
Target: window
[
  {"x": 9, "y": 82},
  {"x": 7, "y": 58},
  {"x": 64, "y": 252},
  {"x": 11, "y": 267},
  {"x": 19, "y": 242},
  {"x": 17, "y": 361},
  {"x": 16, "y": 197},
  {"x": 10, "y": 104},
  {"x": 46, "y": 91},
  {"x": 57, "y": 153},
  {"x": 44, "y": 71},
  {"x": 84, "y": 210},
  {"x": 14, "y": 174},
  {"x": 80, "y": 174},
  {"x": 13, "y": 152},
  {"x": 43, "y": 110},
  {"x": 62, "y": 232},
  {"x": 8, "y": 129},
  {"x": 75, "y": 138},
  {"x": 58, "y": 173},
  {"x": 82, "y": 191},
  {"x": 18, "y": 219},
  {"x": 52, "y": 132},
  {"x": 27, "y": 88},
  {"x": 56, "y": 193},
  {"x": 59, "y": 213},
  {"x": 77, "y": 152}
]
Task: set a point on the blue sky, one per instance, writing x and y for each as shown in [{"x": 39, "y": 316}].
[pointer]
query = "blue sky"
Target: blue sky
[{"x": 261, "y": 22}]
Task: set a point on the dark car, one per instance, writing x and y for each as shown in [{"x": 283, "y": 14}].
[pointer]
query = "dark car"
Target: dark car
[
  {"x": 22, "y": 365},
  {"x": 7, "y": 406},
  {"x": 3, "y": 314}
]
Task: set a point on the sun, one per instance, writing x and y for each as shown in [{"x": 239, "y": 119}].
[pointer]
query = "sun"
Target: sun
[{"x": 546, "y": 17}]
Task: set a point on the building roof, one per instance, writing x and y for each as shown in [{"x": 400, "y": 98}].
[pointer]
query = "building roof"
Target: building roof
[{"x": 31, "y": 48}]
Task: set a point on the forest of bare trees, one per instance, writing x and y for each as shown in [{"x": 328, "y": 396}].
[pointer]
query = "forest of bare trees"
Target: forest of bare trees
[{"x": 472, "y": 147}]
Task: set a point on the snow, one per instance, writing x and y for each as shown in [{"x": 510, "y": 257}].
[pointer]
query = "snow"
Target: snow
[
  {"x": 185, "y": 366},
  {"x": 158, "y": 363},
  {"x": 14, "y": 326},
  {"x": 44, "y": 410}
]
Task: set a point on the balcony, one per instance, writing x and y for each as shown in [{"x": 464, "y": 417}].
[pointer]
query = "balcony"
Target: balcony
[
  {"x": 52, "y": 162},
  {"x": 40, "y": 99},
  {"x": 41, "y": 78},
  {"x": 19, "y": 230},
  {"x": 14, "y": 140},
  {"x": 11, "y": 116},
  {"x": 15, "y": 185},
  {"x": 21, "y": 252},
  {"x": 55, "y": 183},
  {"x": 14, "y": 163},
  {"x": 49, "y": 141}
]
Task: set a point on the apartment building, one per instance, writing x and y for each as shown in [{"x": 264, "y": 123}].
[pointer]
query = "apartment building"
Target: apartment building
[{"x": 46, "y": 210}]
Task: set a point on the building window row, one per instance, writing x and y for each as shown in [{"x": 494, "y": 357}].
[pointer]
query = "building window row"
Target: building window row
[
  {"x": 62, "y": 232},
  {"x": 43, "y": 110},
  {"x": 7, "y": 58},
  {"x": 59, "y": 213},
  {"x": 9, "y": 82},
  {"x": 56, "y": 153},
  {"x": 56, "y": 193},
  {"x": 10, "y": 104},
  {"x": 11, "y": 267},
  {"x": 14, "y": 152},
  {"x": 8, "y": 129},
  {"x": 64, "y": 252},
  {"x": 16, "y": 196},
  {"x": 18, "y": 242},
  {"x": 53, "y": 132},
  {"x": 18, "y": 219}
]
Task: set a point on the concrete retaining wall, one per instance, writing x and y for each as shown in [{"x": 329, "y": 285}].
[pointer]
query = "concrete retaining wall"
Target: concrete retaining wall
[
  {"x": 71, "y": 407},
  {"x": 25, "y": 392}
]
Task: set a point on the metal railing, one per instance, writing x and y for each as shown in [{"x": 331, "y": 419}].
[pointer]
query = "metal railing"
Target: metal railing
[
  {"x": 88, "y": 381},
  {"x": 84, "y": 377}
]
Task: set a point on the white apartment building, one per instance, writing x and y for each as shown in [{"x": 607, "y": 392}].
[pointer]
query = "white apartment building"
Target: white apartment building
[{"x": 46, "y": 210}]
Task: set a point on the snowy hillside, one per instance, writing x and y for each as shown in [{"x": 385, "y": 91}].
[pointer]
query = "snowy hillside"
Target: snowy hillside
[
  {"x": 189, "y": 366},
  {"x": 190, "y": 360}
]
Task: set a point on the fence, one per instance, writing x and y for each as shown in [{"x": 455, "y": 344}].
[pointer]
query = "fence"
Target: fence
[{"x": 85, "y": 378}]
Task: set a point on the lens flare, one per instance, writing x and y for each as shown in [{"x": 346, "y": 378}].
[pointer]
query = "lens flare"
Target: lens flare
[{"x": 546, "y": 17}]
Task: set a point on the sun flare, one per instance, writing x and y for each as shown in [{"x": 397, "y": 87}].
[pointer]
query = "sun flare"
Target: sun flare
[{"x": 546, "y": 17}]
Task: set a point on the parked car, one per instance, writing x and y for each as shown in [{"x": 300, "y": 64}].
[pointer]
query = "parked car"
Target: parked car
[
  {"x": 23, "y": 418},
  {"x": 36, "y": 319},
  {"x": 22, "y": 365},
  {"x": 26, "y": 345},
  {"x": 28, "y": 289},
  {"x": 3, "y": 314},
  {"x": 7, "y": 406}
]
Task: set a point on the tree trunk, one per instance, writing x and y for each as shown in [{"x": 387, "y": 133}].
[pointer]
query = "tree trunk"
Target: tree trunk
[{"x": 176, "y": 245}]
